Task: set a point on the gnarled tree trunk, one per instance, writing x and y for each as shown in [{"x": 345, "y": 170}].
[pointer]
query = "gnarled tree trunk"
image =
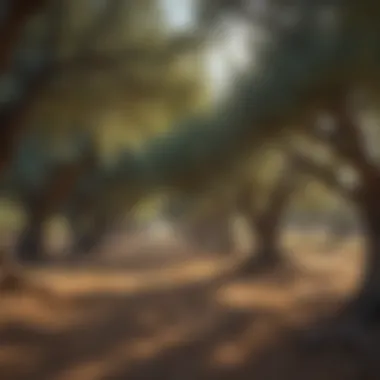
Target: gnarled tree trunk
[
  {"x": 32, "y": 78},
  {"x": 267, "y": 224},
  {"x": 365, "y": 307},
  {"x": 41, "y": 206},
  {"x": 268, "y": 250},
  {"x": 30, "y": 248},
  {"x": 87, "y": 236}
]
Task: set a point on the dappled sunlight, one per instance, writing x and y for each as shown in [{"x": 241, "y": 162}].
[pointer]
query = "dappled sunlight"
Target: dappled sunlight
[
  {"x": 93, "y": 370},
  {"x": 171, "y": 312},
  {"x": 131, "y": 352},
  {"x": 124, "y": 281},
  {"x": 195, "y": 318},
  {"x": 145, "y": 348},
  {"x": 187, "y": 191},
  {"x": 255, "y": 338},
  {"x": 313, "y": 277},
  {"x": 248, "y": 295},
  {"x": 46, "y": 314}
]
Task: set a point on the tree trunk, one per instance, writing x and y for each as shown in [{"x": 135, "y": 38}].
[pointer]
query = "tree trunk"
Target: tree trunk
[
  {"x": 29, "y": 247},
  {"x": 365, "y": 307},
  {"x": 267, "y": 225},
  {"x": 268, "y": 250},
  {"x": 88, "y": 225},
  {"x": 44, "y": 203},
  {"x": 17, "y": 13},
  {"x": 267, "y": 254},
  {"x": 86, "y": 240}
]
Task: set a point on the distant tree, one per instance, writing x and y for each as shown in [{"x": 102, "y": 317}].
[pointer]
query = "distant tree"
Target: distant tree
[
  {"x": 26, "y": 51},
  {"x": 301, "y": 68},
  {"x": 152, "y": 80},
  {"x": 206, "y": 224}
]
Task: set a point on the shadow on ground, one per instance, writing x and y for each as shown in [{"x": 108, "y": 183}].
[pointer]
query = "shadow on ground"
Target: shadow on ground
[{"x": 177, "y": 324}]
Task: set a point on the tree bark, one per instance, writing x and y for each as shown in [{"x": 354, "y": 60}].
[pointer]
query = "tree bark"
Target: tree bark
[
  {"x": 42, "y": 204},
  {"x": 365, "y": 306},
  {"x": 267, "y": 254},
  {"x": 33, "y": 79},
  {"x": 29, "y": 247},
  {"x": 267, "y": 224},
  {"x": 268, "y": 235},
  {"x": 87, "y": 239}
]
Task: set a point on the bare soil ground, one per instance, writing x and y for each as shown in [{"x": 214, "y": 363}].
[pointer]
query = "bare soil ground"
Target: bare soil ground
[{"x": 187, "y": 319}]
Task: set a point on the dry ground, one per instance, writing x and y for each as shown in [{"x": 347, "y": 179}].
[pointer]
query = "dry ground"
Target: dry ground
[{"x": 189, "y": 319}]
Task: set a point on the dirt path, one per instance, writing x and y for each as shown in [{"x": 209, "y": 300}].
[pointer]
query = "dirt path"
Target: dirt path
[{"x": 191, "y": 320}]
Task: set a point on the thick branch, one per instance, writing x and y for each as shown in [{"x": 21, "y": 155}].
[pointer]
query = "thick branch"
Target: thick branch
[
  {"x": 347, "y": 139},
  {"x": 279, "y": 196},
  {"x": 100, "y": 25},
  {"x": 17, "y": 14},
  {"x": 294, "y": 75},
  {"x": 304, "y": 66},
  {"x": 30, "y": 78},
  {"x": 245, "y": 197},
  {"x": 27, "y": 75},
  {"x": 324, "y": 174}
]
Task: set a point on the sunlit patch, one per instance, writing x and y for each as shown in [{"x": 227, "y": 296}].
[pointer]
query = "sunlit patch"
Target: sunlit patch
[
  {"x": 94, "y": 370},
  {"x": 228, "y": 355},
  {"x": 144, "y": 349},
  {"x": 248, "y": 295},
  {"x": 141, "y": 349},
  {"x": 43, "y": 315},
  {"x": 123, "y": 281},
  {"x": 258, "y": 335}
]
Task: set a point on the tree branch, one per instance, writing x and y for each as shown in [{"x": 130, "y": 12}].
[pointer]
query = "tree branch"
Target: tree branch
[
  {"x": 203, "y": 149},
  {"x": 16, "y": 15},
  {"x": 27, "y": 75},
  {"x": 348, "y": 140},
  {"x": 324, "y": 174}
]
